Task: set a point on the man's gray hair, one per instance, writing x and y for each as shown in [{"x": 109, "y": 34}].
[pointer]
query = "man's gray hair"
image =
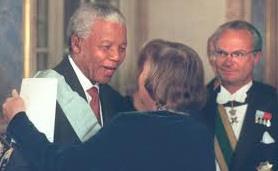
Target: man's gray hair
[
  {"x": 84, "y": 17},
  {"x": 235, "y": 25}
]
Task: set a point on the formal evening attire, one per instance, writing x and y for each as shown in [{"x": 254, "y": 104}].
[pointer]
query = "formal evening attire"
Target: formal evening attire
[
  {"x": 111, "y": 102},
  {"x": 149, "y": 141},
  {"x": 245, "y": 125}
]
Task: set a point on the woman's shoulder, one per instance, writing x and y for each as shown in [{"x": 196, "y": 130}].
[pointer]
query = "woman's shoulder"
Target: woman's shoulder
[{"x": 166, "y": 117}]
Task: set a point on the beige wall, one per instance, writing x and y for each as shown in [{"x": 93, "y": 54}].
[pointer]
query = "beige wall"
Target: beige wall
[{"x": 187, "y": 21}]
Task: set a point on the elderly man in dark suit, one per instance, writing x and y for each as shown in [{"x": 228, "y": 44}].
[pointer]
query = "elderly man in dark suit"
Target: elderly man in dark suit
[
  {"x": 242, "y": 113},
  {"x": 97, "y": 39}
]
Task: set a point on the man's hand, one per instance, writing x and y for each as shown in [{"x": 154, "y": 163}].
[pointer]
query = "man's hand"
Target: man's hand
[{"x": 12, "y": 106}]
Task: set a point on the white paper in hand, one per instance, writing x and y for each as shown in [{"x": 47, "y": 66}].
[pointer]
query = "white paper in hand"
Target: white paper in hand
[{"x": 39, "y": 95}]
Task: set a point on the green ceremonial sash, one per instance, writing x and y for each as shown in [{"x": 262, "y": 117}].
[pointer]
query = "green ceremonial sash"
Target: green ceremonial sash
[
  {"x": 76, "y": 108},
  {"x": 225, "y": 140}
]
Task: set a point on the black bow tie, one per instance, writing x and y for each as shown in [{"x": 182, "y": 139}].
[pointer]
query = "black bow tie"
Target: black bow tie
[{"x": 234, "y": 104}]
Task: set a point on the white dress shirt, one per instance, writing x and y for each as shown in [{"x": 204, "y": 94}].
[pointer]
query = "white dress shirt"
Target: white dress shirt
[
  {"x": 85, "y": 83},
  {"x": 240, "y": 95}
]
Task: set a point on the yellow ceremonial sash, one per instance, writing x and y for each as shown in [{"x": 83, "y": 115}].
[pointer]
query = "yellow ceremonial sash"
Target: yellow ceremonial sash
[{"x": 225, "y": 140}]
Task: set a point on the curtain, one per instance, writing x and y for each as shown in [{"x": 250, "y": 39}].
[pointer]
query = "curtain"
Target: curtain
[{"x": 271, "y": 55}]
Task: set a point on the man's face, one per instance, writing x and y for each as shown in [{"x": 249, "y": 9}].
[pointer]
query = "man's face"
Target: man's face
[
  {"x": 233, "y": 70},
  {"x": 100, "y": 54}
]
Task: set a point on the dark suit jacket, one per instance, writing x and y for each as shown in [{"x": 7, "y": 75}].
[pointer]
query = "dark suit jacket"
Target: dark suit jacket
[
  {"x": 150, "y": 141},
  {"x": 111, "y": 102},
  {"x": 249, "y": 150}
]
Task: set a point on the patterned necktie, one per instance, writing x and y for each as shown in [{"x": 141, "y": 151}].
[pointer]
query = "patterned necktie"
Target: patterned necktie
[{"x": 94, "y": 103}]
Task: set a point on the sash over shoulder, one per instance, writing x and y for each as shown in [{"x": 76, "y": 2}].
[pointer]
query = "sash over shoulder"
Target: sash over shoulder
[
  {"x": 225, "y": 140},
  {"x": 76, "y": 109}
]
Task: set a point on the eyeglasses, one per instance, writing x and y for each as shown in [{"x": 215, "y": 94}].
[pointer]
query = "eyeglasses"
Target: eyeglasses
[{"x": 235, "y": 54}]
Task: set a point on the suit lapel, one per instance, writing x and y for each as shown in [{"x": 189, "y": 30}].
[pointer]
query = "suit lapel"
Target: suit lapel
[
  {"x": 65, "y": 69},
  {"x": 250, "y": 134},
  {"x": 111, "y": 101},
  {"x": 106, "y": 105},
  {"x": 64, "y": 132}
]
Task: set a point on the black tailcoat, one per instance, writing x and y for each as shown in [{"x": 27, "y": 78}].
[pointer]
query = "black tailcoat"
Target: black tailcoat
[{"x": 250, "y": 151}]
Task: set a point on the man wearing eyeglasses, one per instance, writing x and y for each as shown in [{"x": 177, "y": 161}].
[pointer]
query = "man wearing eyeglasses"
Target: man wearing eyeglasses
[{"x": 241, "y": 112}]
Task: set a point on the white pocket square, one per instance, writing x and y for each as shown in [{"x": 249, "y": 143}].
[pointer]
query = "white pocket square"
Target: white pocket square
[{"x": 267, "y": 139}]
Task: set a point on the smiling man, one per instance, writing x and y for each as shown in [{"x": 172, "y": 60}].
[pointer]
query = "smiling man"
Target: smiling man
[
  {"x": 97, "y": 40},
  {"x": 97, "y": 37},
  {"x": 242, "y": 113}
]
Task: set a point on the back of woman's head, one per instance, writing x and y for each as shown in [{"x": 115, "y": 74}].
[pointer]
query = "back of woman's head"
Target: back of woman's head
[{"x": 176, "y": 77}]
